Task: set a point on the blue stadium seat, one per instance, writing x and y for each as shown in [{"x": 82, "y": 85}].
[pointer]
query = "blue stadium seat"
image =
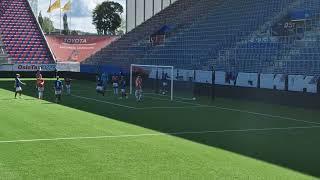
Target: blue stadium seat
[{"x": 245, "y": 36}]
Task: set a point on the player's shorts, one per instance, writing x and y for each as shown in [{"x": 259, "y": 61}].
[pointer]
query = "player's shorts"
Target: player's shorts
[
  {"x": 41, "y": 89},
  {"x": 68, "y": 86},
  {"x": 115, "y": 85},
  {"x": 123, "y": 90},
  {"x": 57, "y": 92},
  {"x": 164, "y": 84},
  {"x": 99, "y": 88},
  {"x": 18, "y": 89}
]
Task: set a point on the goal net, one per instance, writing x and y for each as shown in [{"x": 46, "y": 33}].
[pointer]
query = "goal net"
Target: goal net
[
  {"x": 163, "y": 82},
  {"x": 156, "y": 80}
]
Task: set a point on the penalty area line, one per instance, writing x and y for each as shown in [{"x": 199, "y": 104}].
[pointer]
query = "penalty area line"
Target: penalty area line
[
  {"x": 170, "y": 107},
  {"x": 131, "y": 107},
  {"x": 106, "y": 102},
  {"x": 240, "y": 111},
  {"x": 160, "y": 134},
  {"x": 196, "y": 105},
  {"x": 182, "y": 102},
  {"x": 177, "y": 97}
]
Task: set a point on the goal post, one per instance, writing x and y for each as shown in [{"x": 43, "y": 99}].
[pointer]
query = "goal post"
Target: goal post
[{"x": 152, "y": 74}]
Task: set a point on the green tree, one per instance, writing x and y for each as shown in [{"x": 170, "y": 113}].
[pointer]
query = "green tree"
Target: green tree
[
  {"x": 40, "y": 19},
  {"x": 122, "y": 29},
  {"x": 65, "y": 25},
  {"x": 47, "y": 25},
  {"x": 107, "y": 17},
  {"x": 74, "y": 32}
]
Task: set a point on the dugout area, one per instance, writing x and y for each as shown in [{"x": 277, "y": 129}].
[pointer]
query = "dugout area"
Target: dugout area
[{"x": 284, "y": 136}]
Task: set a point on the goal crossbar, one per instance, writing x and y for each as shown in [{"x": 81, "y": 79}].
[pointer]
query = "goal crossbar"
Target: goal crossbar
[{"x": 151, "y": 66}]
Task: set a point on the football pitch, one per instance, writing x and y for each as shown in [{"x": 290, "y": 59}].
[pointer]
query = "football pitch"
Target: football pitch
[{"x": 88, "y": 136}]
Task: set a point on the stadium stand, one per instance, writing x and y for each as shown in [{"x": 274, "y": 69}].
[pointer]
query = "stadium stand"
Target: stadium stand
[
  {"x": 135, "y": 43},
  {"x": 21, "y": 35},
  {"x": 255, "y": 36},
  {"x": 288, "y": 45}
]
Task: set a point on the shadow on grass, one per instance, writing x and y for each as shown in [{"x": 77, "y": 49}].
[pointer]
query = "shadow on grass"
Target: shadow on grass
[
  {"x": 6, "y": 99},
  {"x": 49, "y": 103},
  {"x": 297, "y": 150}
]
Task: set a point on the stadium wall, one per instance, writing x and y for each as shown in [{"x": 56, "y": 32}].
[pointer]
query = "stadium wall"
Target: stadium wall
[
  {"x": 139, "y": 11},
  {"x": 290, "y": 90},
  {"x": 287, "y": 98}
]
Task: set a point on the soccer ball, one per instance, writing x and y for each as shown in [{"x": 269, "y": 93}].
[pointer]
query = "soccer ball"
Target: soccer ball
[{"x": 194, "y": 98}]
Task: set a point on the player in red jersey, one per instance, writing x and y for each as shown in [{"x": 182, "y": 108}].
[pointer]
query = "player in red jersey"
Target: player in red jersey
[
  {"x": 38, "y": 77},
  {"x": 40, "y": 87},
  {"x": 138, "y": 92},
  {"x": 115, "y": 84}
]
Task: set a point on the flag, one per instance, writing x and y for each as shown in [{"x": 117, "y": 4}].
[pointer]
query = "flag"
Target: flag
[
  {"x": 54, "y": 6},
  {"x": 67, "y": 6}
]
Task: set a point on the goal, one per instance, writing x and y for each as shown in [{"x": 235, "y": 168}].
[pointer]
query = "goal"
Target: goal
[{"x": 156, "y": 79}]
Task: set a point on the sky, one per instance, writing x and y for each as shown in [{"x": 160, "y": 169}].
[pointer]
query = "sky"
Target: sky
[{"x": 80, "y": 15}]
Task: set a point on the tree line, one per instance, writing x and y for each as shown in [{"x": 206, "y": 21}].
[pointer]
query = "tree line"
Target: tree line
[{"x": 106, "y": 17}]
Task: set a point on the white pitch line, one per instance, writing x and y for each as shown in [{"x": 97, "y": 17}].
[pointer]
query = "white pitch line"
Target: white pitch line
[
  {"x": 168, "y": 107},
  {"x": 159, "y": 134},
  {"x": 241, "y": 111},
  {"x": 136, "y": 108},
  {"x": 245, "y": 130},
  {"x": 130, "y": 107},
  {"x": 106, "y": 102},
  {"x": 89, "y": 90},
  {"x": 262, "y": 114},
  {"x": 189, "y": 103},
  {"x": 160, "y": 95},
  {"x": 196, "y": 105}
]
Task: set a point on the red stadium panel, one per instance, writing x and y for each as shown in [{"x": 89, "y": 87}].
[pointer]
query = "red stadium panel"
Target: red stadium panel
[{"x": 77, "y": 48}]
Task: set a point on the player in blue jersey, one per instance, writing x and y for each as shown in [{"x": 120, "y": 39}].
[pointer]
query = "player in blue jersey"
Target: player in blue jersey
[
  {"x": 58, "y": 87},
  {"x": 17, "y": 85},
  {"x": 123, "y": 86},
  {"x": 104, "y": 78},
  {"x": 100, "y": 88}
]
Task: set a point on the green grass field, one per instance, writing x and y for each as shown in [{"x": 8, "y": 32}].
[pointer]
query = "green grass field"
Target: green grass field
[{"x": 88, "y": 136}]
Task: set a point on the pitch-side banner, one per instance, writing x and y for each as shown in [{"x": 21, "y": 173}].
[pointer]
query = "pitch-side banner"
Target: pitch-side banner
[
  {"x": 68, "y": 66},
  {"x": 5, "y": 67},
  {"x": 33, "y": 67},
  {"x": 77, "y": 48}
]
